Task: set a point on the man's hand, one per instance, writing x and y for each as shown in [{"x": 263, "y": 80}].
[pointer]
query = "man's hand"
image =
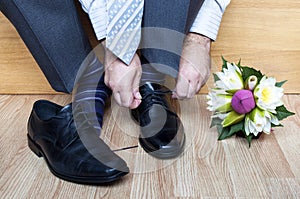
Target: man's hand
[
  {"x": 123, "y": 80},
  {"x": 194, "y": 67}
]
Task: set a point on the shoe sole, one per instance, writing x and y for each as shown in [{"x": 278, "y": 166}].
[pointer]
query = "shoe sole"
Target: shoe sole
[
  {"x": 163, "y": 154},
  {"x": 36, "y": 149}
]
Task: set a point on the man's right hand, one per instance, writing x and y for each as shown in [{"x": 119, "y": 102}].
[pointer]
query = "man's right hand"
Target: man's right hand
[{"x": 123, "y": 80}]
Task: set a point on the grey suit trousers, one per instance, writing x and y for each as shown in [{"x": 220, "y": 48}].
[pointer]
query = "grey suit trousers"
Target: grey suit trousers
[{"x": 54, "y": 35}]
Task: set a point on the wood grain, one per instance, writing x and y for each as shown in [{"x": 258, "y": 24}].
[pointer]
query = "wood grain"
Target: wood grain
[
  {"x": 207, "y": 169},
  {"x": 19, "y": 73},
  {"x": 264, "y": 34}
]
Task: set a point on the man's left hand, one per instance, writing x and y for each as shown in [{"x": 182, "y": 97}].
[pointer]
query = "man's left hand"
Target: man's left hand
[{"x": 194, "y": 67}]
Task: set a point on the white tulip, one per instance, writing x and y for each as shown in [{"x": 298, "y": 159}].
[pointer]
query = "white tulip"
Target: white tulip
[
  {"x": 219, "y": 101},
  {"x": 257, "y": 122},
  {"x": 272, "y": 118},
  {"x": 268, "y": 95},
  {"x": 230, "y": 78}
]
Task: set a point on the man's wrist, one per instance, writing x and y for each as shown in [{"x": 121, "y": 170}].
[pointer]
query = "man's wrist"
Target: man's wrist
[
  {"x": 103, "y": 42},
  {"x": 198, "y": 39},
  {"x": 109, "y": 57}
]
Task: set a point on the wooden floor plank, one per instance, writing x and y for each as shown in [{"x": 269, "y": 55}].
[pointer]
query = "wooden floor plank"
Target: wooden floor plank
[{"x": 207, "y": 168}]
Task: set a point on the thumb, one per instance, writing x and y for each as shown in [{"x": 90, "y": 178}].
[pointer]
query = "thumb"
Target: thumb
[
  {"x": 137, "y": 95},
  {"x": 135, "y": 103}
]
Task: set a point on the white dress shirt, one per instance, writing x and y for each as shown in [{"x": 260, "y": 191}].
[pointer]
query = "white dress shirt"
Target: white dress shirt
[{"x": 206, "y": 23}]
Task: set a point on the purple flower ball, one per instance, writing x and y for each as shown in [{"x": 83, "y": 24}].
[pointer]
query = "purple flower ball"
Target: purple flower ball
[{"x": 243, "y": 101}]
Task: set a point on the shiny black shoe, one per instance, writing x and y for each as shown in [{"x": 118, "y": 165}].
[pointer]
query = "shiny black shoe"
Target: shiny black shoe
[
  {"x": 52, "y": 134},
  {"x": 162, "y": 133}
]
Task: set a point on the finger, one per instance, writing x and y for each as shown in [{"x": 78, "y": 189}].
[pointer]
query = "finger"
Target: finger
[
  {"x": 126, "y": 90},
  {"x": 117, "y": 97},
  {"x": 136, "y": 81},
  {"x": 174, "y": 95},
  {"x": 137, "y": 94},
  {"x": 199, "y": 86},
  {"x": 106, "y": 79},
  {"x": 182, "y": 87},
  {"x": 135, "y": 103},
  {"x": 126, "y": 98},
  {"x": 192, "y": 88},
  {"x": 202, "y": 82},
  {"x": 137, "y": 99}
]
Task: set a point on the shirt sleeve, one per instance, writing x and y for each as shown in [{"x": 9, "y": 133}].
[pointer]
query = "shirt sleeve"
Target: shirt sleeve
[
  {"x": 97, "y": 11},
  {"x": 209, "y": 18}
]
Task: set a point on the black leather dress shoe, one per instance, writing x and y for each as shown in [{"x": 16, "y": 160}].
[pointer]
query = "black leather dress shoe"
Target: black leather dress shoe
[
  {"x": 162, "y": 133},
  {"x": 52, "y": 134}
]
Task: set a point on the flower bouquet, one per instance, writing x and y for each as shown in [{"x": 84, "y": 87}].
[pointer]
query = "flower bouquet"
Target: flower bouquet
[{"x": 245, "y": 102}]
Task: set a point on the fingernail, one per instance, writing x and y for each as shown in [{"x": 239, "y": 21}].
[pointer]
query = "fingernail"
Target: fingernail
[
  {"x": 135, "y": 104},
  {"x": 138, "y": 95}
]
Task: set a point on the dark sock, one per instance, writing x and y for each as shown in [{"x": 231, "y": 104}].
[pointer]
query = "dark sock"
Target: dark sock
[
  {"x": 149, "y": 74},
  {"x": 91, "y": 92}
]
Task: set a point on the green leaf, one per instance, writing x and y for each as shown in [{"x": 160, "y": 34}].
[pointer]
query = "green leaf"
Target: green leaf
[
  {"x": 224, "y": 65},
  {"x": 225, "y": 108},
  {"x": 247, "y": 72},
  {"x": 236, "y": 128},
  {"x": 233, "y": 118},
  {"x": 230, "y": 131},
  {"x": 232, "y": 91},
  {"x": 279, "y": 84},
  {"x": 224, "y": 134},
  {"x": 249, "y": 139},
  {"x": 219, "y": 128},
  {"x": 239, "y": 63},
  {"x": 282, "y": 112},
  {"x": 215, "y": 121},
  {"x": 216, "y": 78}
]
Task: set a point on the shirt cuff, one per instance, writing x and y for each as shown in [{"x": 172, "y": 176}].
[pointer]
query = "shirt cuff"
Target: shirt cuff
[
  {"x": 86, "y": 4},
  {"x": 97, "y": 12},
  {"x": 209, "y": 18}
]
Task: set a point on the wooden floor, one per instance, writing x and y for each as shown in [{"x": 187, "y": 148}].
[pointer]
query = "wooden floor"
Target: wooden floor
[
  {"x": 264, "y": 34},
  {"x": 207, "y": 169}
]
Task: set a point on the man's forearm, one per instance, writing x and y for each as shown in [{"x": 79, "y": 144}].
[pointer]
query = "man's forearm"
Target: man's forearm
[{"x": 196, "y": 38}]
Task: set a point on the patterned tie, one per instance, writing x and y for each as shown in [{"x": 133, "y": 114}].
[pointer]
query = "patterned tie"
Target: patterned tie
[{"x": 124, "y": 27}]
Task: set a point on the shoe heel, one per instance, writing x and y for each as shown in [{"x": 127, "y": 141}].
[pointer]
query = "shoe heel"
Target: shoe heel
[{"x": 33, "y": 147}]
